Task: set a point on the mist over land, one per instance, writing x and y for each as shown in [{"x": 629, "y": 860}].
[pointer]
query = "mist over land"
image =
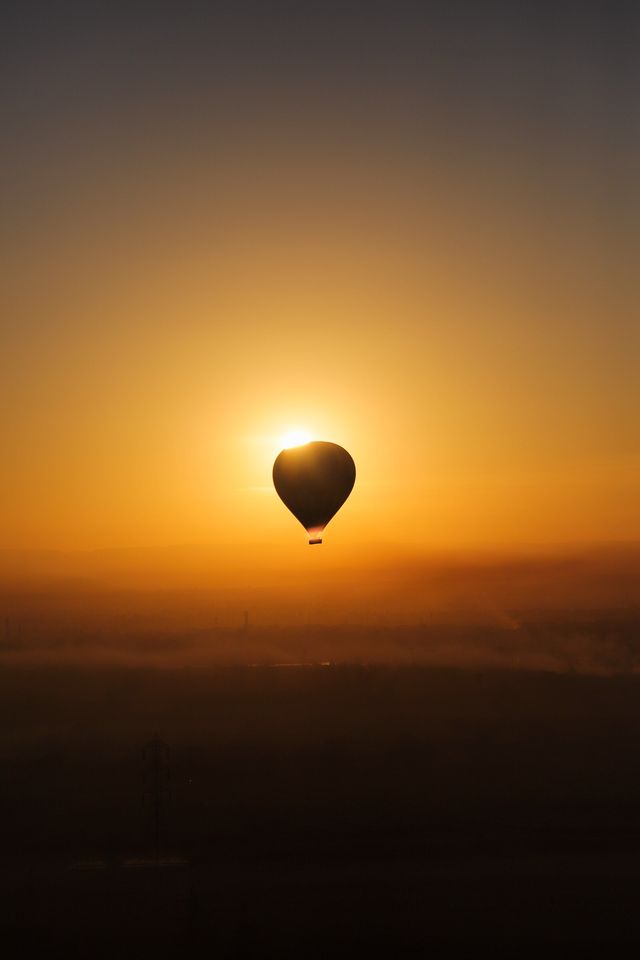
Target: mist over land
[
  {"x": 566, "y": 609},
  {"x": 433, "y": 735}
]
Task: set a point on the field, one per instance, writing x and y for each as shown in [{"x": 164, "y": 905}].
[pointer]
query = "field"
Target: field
[{"x": 317, "y": 809}]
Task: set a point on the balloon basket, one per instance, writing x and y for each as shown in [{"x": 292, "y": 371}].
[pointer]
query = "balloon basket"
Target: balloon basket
[{"x": 315, "y": 540}]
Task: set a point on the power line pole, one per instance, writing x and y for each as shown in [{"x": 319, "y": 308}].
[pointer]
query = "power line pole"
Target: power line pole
[{"x": 156, "y": 789}]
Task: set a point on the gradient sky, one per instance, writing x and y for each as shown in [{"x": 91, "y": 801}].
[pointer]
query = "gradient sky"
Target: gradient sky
[{"x": 409, "y": 228}]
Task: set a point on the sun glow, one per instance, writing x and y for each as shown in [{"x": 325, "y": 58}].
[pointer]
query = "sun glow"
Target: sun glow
[{"x": 295, "y": 438}]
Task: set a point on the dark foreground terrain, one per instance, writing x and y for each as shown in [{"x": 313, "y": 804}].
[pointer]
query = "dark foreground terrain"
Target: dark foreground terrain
[{"x": 316, "y": 811}]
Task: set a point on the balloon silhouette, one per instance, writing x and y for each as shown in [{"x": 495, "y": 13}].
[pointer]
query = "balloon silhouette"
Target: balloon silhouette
[{"x": 313, "y": 481}]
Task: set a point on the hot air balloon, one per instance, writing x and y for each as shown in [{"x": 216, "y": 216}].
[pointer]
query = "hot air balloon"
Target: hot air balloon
[{"x": 313, "y": 481}]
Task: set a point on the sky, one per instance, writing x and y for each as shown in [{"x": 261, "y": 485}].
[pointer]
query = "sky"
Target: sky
[{"x": 408, "y": 228}]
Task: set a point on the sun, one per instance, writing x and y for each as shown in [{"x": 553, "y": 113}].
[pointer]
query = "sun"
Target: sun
[{"x": 295, "y": 438}]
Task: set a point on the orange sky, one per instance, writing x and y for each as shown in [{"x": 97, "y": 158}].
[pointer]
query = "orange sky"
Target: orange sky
[{"x": 452, "y": 304}]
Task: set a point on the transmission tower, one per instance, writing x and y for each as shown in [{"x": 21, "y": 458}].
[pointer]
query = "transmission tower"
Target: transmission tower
[{"x": 156, "y": 790}]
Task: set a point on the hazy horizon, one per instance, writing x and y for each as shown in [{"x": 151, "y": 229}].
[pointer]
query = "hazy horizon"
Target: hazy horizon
[{"x": 573, "y": 609}]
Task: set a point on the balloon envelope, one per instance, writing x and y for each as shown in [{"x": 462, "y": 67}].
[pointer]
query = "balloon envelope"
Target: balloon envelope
[{"x": 313, "y": 481}]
